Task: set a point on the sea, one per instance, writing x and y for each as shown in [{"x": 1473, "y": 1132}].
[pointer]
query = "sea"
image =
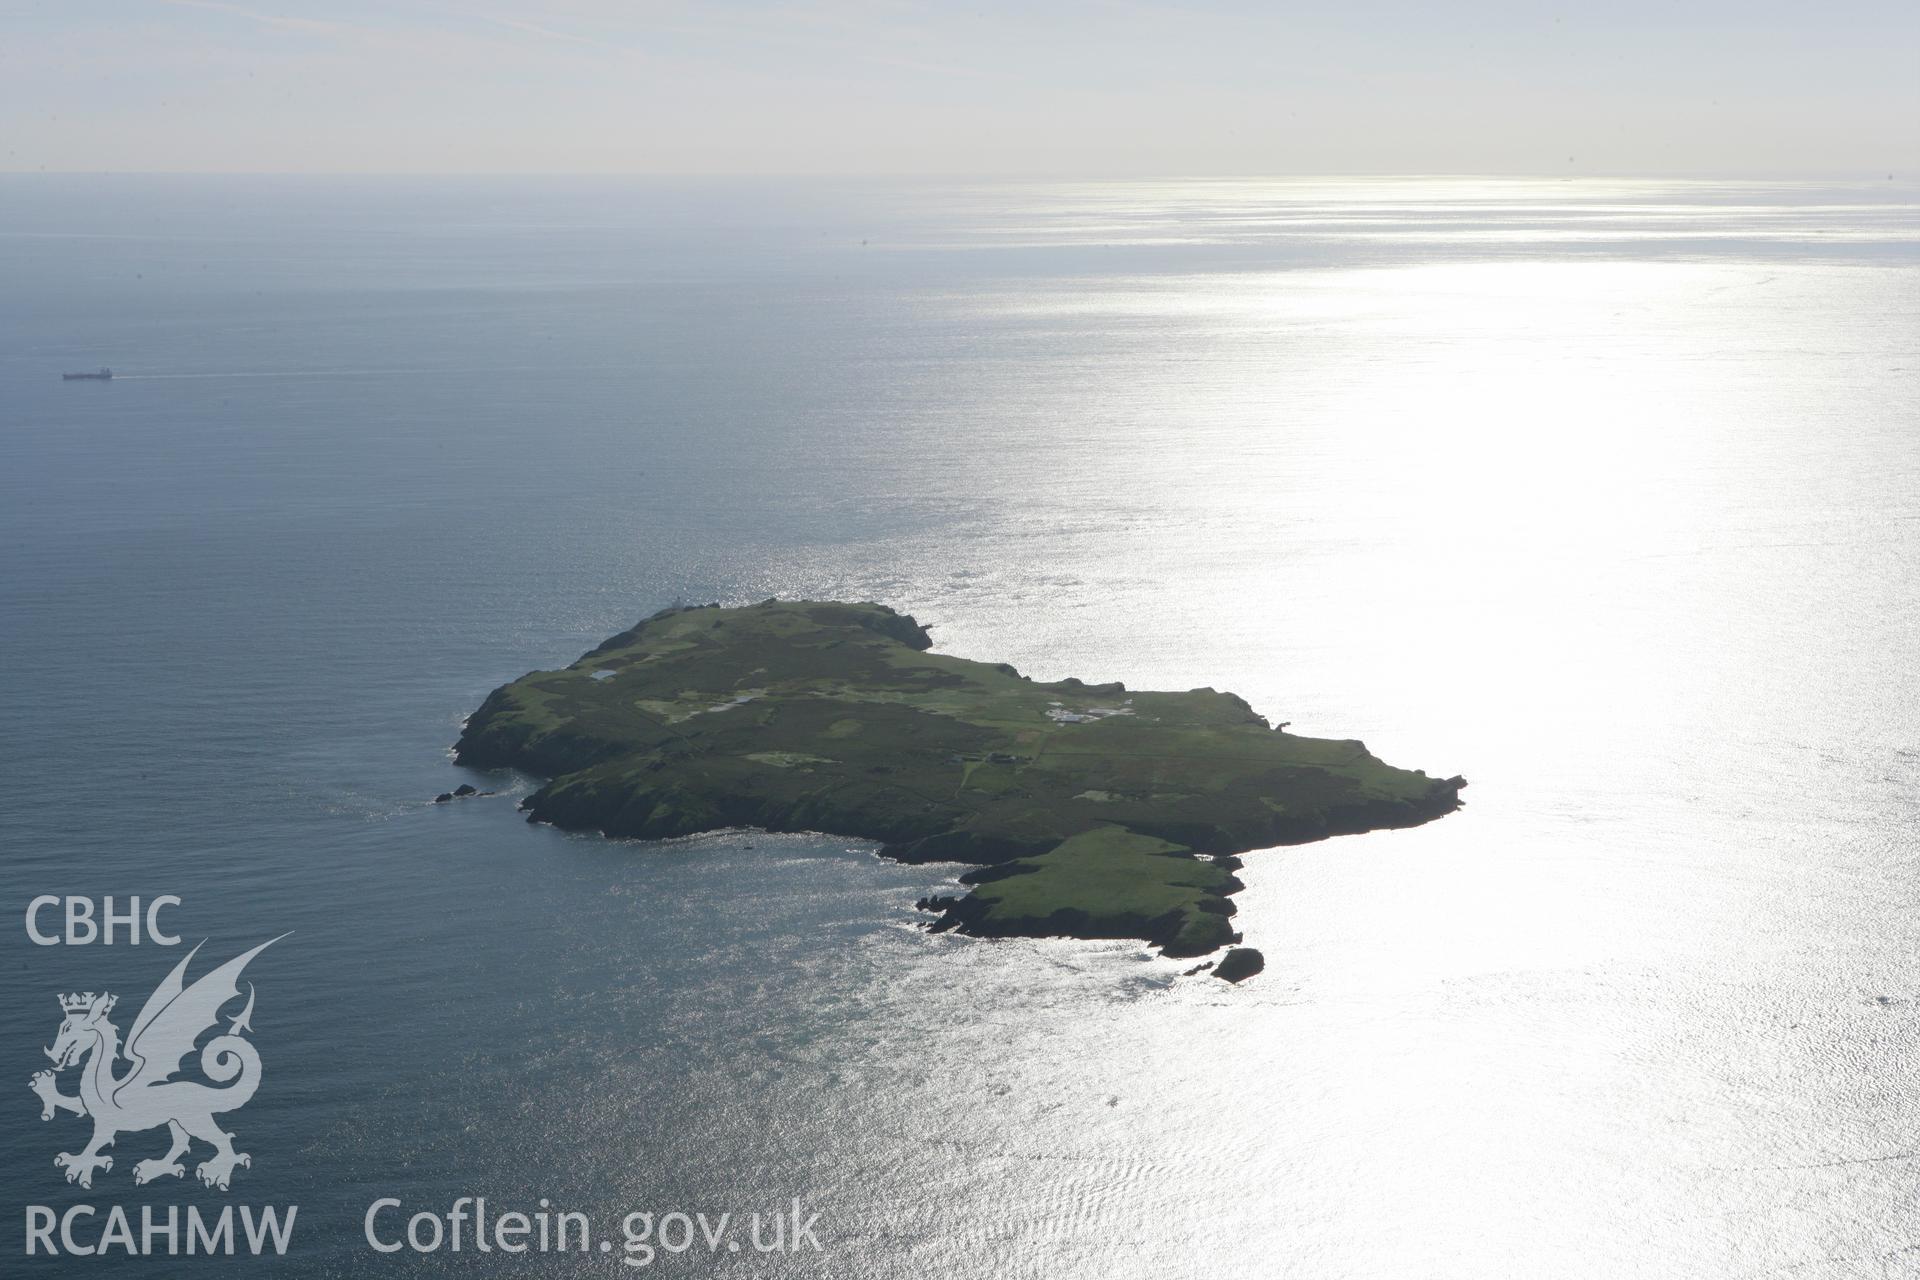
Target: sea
[{"x": 1604, "y": 493}]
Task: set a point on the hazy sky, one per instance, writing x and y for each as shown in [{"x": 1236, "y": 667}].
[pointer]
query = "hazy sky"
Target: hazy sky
[{"x": 867, "y": 86}]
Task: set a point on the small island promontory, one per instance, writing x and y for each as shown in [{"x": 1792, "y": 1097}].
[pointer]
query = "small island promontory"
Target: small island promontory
[{"x": 1095, "y": 811}]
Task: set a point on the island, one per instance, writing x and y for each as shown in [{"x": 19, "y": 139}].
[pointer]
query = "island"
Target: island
[{"x": 1090, "y": 810}]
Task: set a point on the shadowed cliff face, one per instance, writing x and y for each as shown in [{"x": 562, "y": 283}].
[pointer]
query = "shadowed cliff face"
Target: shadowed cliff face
[{"x": 803, "y": 715}]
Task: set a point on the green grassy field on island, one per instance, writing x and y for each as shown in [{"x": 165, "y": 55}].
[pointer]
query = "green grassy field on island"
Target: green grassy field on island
[{"x": 1106, "y": 883}]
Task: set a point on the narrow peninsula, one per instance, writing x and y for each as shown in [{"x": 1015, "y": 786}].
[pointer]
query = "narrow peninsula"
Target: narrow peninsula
[{"x": 1093, "y": 811}]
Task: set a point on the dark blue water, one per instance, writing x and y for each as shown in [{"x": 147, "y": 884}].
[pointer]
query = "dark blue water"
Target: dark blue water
[{"x": 1603, "y": 497}]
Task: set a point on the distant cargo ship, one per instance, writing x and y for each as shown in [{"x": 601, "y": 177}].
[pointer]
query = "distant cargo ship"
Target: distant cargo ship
[{"x": 101, "y": 375}]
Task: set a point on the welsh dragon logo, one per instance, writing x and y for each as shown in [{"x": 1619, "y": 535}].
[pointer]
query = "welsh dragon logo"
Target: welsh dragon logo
[{"x": 146, "y": 1096}]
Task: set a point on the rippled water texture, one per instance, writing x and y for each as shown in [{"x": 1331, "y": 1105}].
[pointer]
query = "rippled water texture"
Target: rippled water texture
[{"x": 1604, "y": 495}]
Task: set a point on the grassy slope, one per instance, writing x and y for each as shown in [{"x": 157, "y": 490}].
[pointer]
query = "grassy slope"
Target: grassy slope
[{"x": 1107, "y": 883}]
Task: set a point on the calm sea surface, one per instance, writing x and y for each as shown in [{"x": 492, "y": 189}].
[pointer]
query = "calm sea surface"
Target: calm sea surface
[{"x": 1604, "y": 494}]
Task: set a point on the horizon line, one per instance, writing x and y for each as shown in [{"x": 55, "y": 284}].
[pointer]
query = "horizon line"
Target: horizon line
[{"x": 1680, "y": 175}]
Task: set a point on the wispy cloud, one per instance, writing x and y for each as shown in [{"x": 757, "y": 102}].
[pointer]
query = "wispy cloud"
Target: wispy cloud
[
  {"x": 317, "y": 26},
  {"x": 535, "y": 29},
  {"x": 427, "y": 30}
]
